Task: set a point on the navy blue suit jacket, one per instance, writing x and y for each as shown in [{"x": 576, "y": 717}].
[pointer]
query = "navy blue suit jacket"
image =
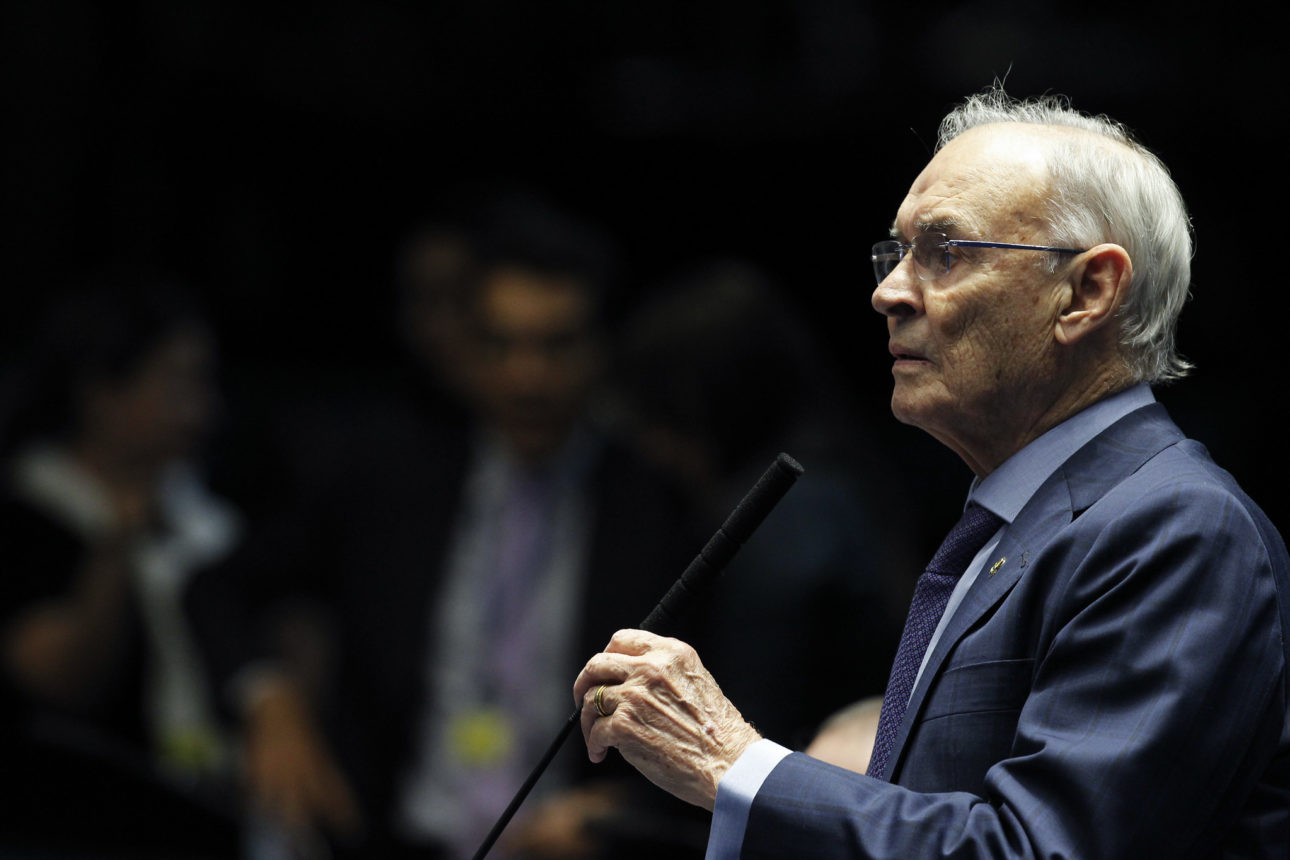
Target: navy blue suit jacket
[{"x": 1113, "y": 685}]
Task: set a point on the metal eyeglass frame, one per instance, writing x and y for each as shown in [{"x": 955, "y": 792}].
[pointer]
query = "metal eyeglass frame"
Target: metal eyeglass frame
[{"x": 886, "y": 255}]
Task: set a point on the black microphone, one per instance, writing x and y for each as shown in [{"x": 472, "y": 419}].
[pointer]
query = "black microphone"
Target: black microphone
[
  {"x": 702, "y": 573},
  {"x": 697, "y": 578}
]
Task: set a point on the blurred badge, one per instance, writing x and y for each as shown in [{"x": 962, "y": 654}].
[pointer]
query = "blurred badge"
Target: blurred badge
[{"x": 482, "y": 737}]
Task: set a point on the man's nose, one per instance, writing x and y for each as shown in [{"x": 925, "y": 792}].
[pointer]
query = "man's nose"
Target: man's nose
[{"x": 901, "y": 292}]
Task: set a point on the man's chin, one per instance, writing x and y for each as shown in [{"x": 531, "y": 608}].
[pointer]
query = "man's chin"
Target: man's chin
[
  {"x": 917, "y": 412},
  {"x": 905, "y": 409}
]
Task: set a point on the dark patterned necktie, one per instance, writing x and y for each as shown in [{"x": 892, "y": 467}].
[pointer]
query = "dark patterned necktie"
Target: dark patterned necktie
[{"x": 931, "y": 593}]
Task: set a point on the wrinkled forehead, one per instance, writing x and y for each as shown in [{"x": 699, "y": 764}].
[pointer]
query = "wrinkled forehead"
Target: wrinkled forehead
[{"x": 990, "y": 181}]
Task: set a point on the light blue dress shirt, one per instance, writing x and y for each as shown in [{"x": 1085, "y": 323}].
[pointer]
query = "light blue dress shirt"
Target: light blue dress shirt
[{"x": 1005, "y": 491}]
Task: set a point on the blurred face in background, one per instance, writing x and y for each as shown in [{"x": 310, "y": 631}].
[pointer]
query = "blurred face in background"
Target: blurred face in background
[
  {"x": 163, "y": 408},
  {"x": 537, "y": 357},
  {"x": 437, "y": 273}
]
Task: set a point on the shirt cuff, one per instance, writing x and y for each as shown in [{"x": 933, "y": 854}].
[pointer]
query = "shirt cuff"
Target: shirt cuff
[{"x": 735, "y": 795}]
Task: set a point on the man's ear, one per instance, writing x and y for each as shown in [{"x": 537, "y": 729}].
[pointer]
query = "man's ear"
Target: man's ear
[{"x": 1099, "y": 284}]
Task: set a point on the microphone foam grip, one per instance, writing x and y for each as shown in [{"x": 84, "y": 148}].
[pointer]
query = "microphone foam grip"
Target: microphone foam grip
[
  {"x": 703, "y": 571},
  {"x": 764, "y": 495}
]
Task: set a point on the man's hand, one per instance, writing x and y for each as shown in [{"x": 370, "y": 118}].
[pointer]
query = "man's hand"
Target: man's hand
[
  {"x": 290, "y": 775},
  {"x": 666, "y": 715},
  {"x": 561, "y": 827}
]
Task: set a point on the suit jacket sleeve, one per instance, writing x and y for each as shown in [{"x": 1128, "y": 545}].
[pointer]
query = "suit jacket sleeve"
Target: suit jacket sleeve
[{"x": 1125, "y": 698}]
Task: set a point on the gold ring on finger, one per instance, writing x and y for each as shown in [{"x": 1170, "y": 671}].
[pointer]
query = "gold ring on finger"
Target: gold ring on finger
[{"x": 599, "y": 701}]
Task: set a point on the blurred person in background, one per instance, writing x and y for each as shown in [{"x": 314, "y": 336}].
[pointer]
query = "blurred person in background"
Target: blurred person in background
[
  {"x": 847, "y": 737},
  {"x": 436, "y": 268},
  {"x": 461, "y": 566},
  {"x": 111, "y": 743},
  {"x": 720, "y": 373}
]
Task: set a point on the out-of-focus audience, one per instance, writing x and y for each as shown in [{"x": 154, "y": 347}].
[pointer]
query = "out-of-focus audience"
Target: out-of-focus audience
[
  {"x": 720, "y": 373},
  {"x": 373, "y": 662},
  {"x": 111, "y": 746},
  {"x": 460, "y": 568},
  {"x": 846, "y": 738},
  {"x": 435, "y": 272}
]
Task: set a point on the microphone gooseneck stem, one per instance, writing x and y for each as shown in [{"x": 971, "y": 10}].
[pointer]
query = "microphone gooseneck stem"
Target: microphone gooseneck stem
[{"x": 697, "y": 578}]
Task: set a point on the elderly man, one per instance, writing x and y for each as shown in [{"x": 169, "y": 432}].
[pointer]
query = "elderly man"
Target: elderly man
[{"x": 1095, "y": 663}]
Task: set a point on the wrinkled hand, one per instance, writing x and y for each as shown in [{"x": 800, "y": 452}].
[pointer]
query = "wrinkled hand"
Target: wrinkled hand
[
  {"x": 667, "y": 716},
  {"x": 291, "y": 776}
]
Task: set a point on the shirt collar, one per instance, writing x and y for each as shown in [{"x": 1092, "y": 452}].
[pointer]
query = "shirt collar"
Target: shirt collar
[{"x": 1007, "y": 489}]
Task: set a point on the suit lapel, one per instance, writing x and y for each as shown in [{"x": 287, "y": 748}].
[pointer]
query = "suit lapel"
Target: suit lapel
[
  {"x": 1083, "y": 479},
  {"x": 1048, "y": 511}
]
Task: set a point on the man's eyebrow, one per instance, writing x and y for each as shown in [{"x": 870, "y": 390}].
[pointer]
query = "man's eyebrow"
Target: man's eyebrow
[
  {"x": 942, "y": 224},
  {"x": 945, "y": 225}
]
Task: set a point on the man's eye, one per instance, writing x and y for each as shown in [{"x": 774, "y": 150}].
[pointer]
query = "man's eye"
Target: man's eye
[{"x": 953, "y": 254}]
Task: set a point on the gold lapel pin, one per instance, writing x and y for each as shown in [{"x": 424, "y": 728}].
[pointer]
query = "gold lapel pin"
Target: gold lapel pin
[{"x": 998, "y": 564}]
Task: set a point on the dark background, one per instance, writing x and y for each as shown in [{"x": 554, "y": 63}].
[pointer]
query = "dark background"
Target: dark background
[{"x": 272, "y": 155}]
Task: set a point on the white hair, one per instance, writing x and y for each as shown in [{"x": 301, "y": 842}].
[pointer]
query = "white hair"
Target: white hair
[{"x": 1108, "y": 188}]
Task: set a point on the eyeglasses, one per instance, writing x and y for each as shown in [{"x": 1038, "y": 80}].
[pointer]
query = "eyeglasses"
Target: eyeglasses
[{"x": 933, "y": 255}]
